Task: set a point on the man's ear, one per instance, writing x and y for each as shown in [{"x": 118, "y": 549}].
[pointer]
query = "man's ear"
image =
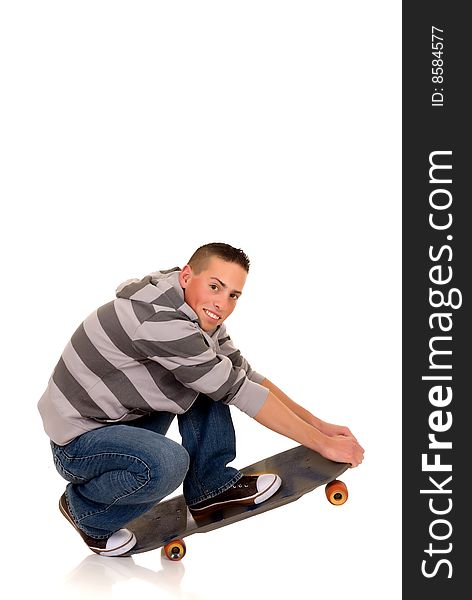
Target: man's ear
[{"x": 185, "y": 276}]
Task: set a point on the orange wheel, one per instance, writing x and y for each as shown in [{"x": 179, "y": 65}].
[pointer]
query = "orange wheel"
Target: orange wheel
[
  {"x": 175, "y": 550},
  {"x": 336, "y": 492}
]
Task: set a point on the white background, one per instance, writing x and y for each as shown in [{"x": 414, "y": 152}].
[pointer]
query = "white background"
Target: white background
[{"x": 132, "y": 133}]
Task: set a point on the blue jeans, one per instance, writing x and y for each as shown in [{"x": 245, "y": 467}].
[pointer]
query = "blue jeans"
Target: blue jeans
[{"x": 119, "y": 472}]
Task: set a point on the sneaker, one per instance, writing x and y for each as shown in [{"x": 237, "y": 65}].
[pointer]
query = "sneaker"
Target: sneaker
[
  {"x": 117, "y": 544},
  {"x": 250, "y": 489}
]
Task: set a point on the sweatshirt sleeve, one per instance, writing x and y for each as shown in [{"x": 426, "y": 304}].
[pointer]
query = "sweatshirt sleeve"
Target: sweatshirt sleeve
[
  {"x": 228, "y": 349},
  {"x": 171, "y": 339}
]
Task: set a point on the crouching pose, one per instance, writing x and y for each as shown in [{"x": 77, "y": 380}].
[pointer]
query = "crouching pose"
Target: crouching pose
[{"x": 158, "y": 350}]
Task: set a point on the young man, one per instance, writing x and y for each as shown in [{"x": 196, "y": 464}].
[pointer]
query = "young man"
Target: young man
[{"x": 158, "y": 350}]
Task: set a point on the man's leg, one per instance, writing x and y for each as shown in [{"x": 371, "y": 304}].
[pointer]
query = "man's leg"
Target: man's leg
[
  {"x": 117, "y": 473},
  {"x": 208, "y": 436}
]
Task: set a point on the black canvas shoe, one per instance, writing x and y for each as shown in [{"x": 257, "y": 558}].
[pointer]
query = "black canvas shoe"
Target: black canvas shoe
[
  {"x": 117, "y": 544},
  {"x": 250, "y": 489}
]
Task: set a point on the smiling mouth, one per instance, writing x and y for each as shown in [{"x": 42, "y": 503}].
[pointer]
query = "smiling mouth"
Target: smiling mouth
[{"x": 212, "y": 315}]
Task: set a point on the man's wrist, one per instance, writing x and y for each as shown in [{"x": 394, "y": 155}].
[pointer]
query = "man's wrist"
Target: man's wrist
[
  {"x": 318, "y": 440},
  {"x": 316, "y": 423}
]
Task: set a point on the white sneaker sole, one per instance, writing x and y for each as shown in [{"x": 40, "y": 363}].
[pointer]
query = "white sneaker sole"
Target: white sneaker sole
[
  {"x": 119, "y": 550},
  {"x": 127, "y": 542}
]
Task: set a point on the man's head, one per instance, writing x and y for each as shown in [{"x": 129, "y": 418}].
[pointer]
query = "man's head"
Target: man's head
[{"x": 212, "y": 282}]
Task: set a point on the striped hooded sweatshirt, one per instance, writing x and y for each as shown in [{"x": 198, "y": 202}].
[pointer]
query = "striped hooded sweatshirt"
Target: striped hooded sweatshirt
[{"x": 144, "y": 352}]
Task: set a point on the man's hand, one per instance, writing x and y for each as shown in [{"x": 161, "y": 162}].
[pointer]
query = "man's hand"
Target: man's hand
[
  {"x": 341, "y": 448},
  {"x": 331, "y": 430}
]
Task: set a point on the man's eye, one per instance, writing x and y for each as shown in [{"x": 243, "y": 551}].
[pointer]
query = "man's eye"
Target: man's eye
[
  {"x": 234, "y": 296},
  {"x": 213, "y": 286}
]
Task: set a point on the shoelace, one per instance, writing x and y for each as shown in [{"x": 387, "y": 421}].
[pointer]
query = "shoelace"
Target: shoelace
[{"x": 240, "y": 485}]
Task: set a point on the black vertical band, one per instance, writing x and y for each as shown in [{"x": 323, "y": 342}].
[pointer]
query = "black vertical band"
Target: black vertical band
[{"x": 437, "y": 257}]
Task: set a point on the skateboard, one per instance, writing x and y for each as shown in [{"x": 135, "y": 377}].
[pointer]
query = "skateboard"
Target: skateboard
[{"x": 301, "y": 470}]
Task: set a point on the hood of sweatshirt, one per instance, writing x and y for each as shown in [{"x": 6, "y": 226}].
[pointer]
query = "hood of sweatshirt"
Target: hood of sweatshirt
[{"x": 160, "y": 288}]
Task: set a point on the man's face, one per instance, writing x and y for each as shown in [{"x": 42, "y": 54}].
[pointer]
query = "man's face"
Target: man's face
[{"x": 214, "y": 292}]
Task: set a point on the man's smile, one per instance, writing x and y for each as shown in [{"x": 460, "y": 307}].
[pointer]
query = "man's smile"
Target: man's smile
[{"x": 212, "y": 315}]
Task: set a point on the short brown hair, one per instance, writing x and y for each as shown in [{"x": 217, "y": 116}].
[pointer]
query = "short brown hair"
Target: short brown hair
[{"x": 199, "y": 259}]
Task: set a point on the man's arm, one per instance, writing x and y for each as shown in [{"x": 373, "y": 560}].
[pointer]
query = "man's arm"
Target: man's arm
[
  {"x": 283, "y": 415},
  {"x": 326, "y": 428},
  {"x": 304, "y": 414}
]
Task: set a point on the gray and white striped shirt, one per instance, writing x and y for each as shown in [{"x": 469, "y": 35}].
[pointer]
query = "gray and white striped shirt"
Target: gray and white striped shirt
[{"x": 140, "y": 353}]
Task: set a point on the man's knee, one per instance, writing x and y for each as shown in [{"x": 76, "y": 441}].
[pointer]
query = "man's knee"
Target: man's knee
[{"x": 169, "y": 468}]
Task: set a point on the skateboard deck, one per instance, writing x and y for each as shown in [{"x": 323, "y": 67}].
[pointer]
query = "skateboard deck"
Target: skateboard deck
[{"x": 301, "y": 470}]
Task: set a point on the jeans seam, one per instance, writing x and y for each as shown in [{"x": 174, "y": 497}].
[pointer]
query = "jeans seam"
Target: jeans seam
[
  {"x": 110, "y": 454},
  {"x": 60, "y": 467},
  {"x": 197, "y": 475}
]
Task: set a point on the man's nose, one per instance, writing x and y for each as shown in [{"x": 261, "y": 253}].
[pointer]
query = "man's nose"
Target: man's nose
[{"x": 220, "y": 303}]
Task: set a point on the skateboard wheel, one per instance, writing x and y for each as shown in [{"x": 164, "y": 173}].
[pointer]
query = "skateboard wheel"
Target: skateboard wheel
[
  {"x": 175, "y": 550},
  {"x": 336, "y": 492}
]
